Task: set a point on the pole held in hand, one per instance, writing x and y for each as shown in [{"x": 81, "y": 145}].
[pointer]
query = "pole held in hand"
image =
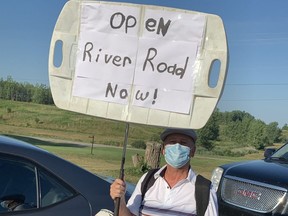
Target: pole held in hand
[{"x": 121, "y": 175}]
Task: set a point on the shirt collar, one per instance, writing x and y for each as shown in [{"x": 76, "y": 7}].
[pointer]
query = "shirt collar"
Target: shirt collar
[{"x": 161, "y": 171}]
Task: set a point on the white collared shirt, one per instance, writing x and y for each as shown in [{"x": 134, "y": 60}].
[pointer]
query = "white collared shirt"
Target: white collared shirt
[{"x": 160, "y": 199}]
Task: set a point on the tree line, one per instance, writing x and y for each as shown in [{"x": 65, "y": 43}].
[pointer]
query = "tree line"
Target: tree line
[
  {"x": 25, "y": 92},
  {"x": 240, "y": 129}
]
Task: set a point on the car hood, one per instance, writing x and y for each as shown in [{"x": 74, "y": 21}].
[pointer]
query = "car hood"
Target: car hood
[{"x": 264, "y": 171}]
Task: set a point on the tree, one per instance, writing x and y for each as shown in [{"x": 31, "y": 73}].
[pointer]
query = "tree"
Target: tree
[
  {"x": 256, "y": 135},
  {"x": 12, "y": 90},
  {"x": 285, "y": 127},
  {"x": 209, "y": 133},
  {"x": 273, "y": 132},
  {"x": 42, "y": 95}
]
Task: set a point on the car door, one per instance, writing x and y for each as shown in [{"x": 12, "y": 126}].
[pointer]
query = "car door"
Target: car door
[{"x": 27, "y": 189}]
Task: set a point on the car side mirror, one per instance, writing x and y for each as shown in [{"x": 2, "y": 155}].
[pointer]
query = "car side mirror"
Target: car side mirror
[{"x": 268, "y": 152}]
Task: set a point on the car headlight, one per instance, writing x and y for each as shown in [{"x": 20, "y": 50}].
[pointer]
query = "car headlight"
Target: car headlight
[{"x": 216, "y": 177}]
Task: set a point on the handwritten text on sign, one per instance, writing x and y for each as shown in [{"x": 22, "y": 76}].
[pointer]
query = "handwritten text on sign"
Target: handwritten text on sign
[{"x": 148, "y": 61}]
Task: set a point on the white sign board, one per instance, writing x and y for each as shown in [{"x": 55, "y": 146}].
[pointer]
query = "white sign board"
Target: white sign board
[
  {"x": 137, "y": 63},
  {"x": 119, "y": 51}
]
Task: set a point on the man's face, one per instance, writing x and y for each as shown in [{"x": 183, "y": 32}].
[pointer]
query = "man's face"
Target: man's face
[{"x": 181, "y": 139}]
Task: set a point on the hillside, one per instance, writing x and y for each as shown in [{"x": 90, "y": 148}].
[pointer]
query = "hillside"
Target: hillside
[
  {"x": 31, "y": 119},
  {"x": 235, "y": 129}
]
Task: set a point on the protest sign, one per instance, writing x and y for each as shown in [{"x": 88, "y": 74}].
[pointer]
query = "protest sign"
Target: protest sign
[
  {"x": 138, "y": 63},
  {"x": 114, "y": 58}
]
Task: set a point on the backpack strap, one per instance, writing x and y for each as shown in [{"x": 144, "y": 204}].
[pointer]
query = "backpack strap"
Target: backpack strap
[
  {"x": 202, "y": 194},
  {"x": 148, "y": 181}
]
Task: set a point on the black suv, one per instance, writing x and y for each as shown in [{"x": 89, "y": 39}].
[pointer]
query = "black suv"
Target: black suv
[{"x": 257, "y": 187}]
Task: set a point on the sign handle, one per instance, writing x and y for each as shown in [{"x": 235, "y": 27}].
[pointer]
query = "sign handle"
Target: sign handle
[{"x": 121, "y": 175}]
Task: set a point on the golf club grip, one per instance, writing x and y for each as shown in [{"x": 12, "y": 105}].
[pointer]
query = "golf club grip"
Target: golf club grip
[{"x": 117, "y": 206}]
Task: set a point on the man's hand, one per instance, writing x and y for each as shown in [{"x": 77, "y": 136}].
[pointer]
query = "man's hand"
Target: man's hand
[{"x": 117, "y": 189}]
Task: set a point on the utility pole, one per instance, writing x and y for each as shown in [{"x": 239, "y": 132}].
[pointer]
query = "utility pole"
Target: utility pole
[{"x": 92, "y": 143}]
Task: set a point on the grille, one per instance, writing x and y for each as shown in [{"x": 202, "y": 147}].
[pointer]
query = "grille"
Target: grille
[{"x": 251, "y": 195}]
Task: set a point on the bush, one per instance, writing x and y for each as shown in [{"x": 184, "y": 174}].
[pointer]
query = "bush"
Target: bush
[
  {"x": 37, "y": 120},
  {"x": 234, "y": 152},
  {"x": 139, "y": 170},
  {"x": 112, "y": 143},
  {"x": 139, "y": 144},
  {"x": 156, "y": 138}
]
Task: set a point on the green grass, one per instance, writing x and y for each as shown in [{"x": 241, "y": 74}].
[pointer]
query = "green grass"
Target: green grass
[
  {"x": 28, "y": 121},
  {"x": 106, "y": 160},
  {"x": 49, "y": 121}
]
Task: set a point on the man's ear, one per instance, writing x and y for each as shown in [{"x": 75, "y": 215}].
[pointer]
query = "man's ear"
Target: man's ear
[{"x": 192, "y": 151}]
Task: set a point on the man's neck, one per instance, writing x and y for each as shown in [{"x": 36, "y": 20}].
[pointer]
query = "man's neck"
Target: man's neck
[{"x": 173, "y": 175}]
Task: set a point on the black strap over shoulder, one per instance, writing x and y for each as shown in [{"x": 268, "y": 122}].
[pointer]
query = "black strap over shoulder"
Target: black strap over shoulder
[
  {"x": 148, "y": 181},
  {"x": 202, "y": 193}
]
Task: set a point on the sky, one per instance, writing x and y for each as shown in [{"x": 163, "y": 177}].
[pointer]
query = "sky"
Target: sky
[{"x": 257, "y": 37}]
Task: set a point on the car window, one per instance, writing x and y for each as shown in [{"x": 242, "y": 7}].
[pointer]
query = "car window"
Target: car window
[
  {"x": 52, "y": 190},
  {"x": 25, "y": 186},
  {"x": 282, "y": 152},
  {"x": 17, "y": 186}
]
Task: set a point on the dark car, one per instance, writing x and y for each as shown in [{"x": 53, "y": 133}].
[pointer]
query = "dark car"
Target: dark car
[
  {"x": 36, "y": 182},
  {"x": 257, "y": 187}
]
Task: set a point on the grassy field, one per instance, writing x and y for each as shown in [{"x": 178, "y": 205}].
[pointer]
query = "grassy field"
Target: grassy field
[
  {"x": 48, "y": 121},
  {"x": 47, "y": 127},
  {"x": 105, "y": 160}
]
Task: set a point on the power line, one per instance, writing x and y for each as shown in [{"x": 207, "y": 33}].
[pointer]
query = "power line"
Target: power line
[
  {"x": 255, "y": 100},
  {"x": 257, "y": 84}
]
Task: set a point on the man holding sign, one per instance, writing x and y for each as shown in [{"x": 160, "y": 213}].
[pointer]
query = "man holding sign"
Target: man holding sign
[
  {"x": 148, "y": 65},
  {"x": 174, "y": 189}
]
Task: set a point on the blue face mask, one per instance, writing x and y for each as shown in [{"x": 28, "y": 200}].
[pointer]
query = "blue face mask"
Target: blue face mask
[{"x": 177, "y": 155}]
